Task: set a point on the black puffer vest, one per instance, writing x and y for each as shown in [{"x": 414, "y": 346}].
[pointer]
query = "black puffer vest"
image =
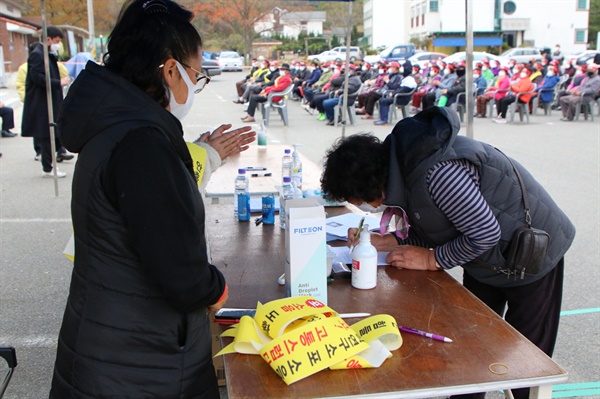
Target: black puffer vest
[{"x": 418, "y": 143}]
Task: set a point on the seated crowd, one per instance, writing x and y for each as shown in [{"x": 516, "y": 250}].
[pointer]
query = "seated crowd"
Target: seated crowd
[{"x": 319, "y": 87}]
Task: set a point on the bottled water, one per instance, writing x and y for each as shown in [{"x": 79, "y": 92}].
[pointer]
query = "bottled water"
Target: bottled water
[
  {"x": 241, "y": 198},
  {"x": 287, "y": 163},
  {"x": 287, "y": 192},
  {"x": 297, "y": 167}
]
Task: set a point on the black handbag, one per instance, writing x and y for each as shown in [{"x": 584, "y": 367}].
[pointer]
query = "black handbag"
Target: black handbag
[{"x": 528, "y": 247}]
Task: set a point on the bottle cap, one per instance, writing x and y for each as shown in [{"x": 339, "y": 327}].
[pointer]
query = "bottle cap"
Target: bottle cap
[
  {"x": 287, "y": 179},
  {"x": 241, "y": 171},
  {"x": 287, "y": 151}
]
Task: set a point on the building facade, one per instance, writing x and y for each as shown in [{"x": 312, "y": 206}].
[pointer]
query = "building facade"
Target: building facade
[
  {"x": 15, "y": 36},
  {"x": 441, "y": 23},
  {"x": 291, "y": 24}
]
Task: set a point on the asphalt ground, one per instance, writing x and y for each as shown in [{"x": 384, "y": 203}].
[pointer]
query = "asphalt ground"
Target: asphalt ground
[{"x": 35, "y": 226}]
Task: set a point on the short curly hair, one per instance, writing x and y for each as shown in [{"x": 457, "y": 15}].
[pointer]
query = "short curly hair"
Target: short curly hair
[{"x": 355, "y": 168}]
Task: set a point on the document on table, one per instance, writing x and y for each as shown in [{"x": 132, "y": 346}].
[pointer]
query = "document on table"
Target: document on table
[
  {"x": 342, "y": 254},
  {"x": 337, "y": 226}
]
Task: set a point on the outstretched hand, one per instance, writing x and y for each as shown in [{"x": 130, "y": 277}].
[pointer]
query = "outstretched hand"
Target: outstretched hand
[{"x": 228, "y": 143}]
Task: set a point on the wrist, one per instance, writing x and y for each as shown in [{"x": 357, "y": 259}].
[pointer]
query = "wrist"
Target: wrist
[{"x": 432, "y": 261}]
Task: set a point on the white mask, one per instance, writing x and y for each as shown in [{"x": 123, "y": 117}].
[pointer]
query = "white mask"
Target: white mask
[
  {"x": 446, "y": 71},
  {"x": 325, "y": 69},
  {"x": 181, "y": 110},
  {"x": 272, "y": 69},
  {"x": 366, "y": 207},
  {"x": 282, "y": 73},
  {"x": 550, "y": 73},
  {"x": 364, "y": 68},
  {"x": 523, "y": 75},
  {"x": 381, "y": 71},
  {"x": 54, "y": 48},
  {"x": 310, "y": 69},
  {"x": 432, "y": 73},
  {"x": 475, "y": 76}
]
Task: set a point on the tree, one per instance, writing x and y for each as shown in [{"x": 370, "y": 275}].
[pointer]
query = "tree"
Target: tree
[
  {"x": 594, "y": 23},
  {"x": 74, "y": 12}
]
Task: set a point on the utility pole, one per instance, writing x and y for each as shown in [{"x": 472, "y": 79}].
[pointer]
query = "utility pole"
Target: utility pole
[{"x": 90, "y": 8}]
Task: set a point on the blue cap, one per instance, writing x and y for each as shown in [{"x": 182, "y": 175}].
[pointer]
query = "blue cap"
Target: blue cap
[
  {"x": 241, "y": 171},
  {"x": 287, "y": 179},
  {"x": 287, "y": 151}
]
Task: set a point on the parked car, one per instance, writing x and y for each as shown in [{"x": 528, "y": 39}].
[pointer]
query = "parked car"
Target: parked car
[
  {"x": 584, "y": 57},
  {"x": 355, "y": 53},
  {"x": 477, "y": 57},
  {"x": 327, "y": 56},
  {"x": 426, "y": 56},
  {"x": 398, "y": 53},
  {"x": 210, "y": 67},
  {"x": 230, "y": 61},
  {"x": 522, "y": 55}
]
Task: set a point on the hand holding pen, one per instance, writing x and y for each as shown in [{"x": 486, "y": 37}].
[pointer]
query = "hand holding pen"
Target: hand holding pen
[{"x": 356, "y": 234}]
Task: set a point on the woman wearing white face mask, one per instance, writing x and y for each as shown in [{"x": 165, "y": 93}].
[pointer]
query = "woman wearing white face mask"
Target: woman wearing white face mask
[
  {"x": 142, "y": 278},
  {"x": 523, "y": 85},
  {"x": 456, "y": 204}
]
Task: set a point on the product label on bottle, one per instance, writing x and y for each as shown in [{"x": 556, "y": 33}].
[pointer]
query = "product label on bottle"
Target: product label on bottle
[
  {"x": 244, "y": 207},
  {"x": 355, "y": 264}
]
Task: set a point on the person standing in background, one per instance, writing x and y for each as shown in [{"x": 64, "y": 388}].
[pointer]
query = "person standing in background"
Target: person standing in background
[{"x": 35, "y": 121}]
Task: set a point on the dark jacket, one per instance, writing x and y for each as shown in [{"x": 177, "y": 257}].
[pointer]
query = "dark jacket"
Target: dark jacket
[
  {"x": 313, "y": 77},
  {"x": 270, "y": 78},
  {"x": 35, "y": 107},
  {"x": 135, "y": 323},
  {"x": 394, "y": 82},
  {"x": 416, "y": 144}
]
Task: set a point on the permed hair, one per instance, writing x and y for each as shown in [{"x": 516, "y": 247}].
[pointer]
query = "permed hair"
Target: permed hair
[
  {"x": 147, "y": 33},
  {"x": 355, "y": 168}
]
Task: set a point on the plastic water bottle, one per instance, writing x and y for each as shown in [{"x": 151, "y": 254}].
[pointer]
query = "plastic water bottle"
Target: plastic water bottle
[
  {"x": 364, "y": 262},
  {"x": 297, "y": 191},
  {"x": 241, "y": 199},
  {"x": 287, "y": 192},
  {"x": 287, "y": 163},
  {"x": 262, "y": 136},
  {"x": 297, "y": 167}
]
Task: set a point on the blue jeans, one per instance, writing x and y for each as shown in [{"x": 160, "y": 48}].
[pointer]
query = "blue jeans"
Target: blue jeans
[
  {"x": 384, "y": 108},
  {"x": 329, "y": 105}
]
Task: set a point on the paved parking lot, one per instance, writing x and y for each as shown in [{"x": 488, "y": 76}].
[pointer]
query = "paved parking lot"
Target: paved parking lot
[{"x": 35, "y": 226}]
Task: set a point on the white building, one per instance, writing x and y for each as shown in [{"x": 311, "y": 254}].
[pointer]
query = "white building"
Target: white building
[
  {"x": 291, "y": 24},
  {"x": 386, "y": 22},
  {"x": 517, "y": 22}
]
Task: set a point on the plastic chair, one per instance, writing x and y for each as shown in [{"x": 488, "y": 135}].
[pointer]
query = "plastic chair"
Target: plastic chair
[
  {"x": 547, "y": 106},
  {"x": 460, "y": 105},
  {"x": 351, "y": 110},
  {"x": 522, "y": 108},
  {"x": 585, "y": 107},
  {"x": 395, "y": 106},
  {"x": 492, "y": 102},
  {"x": 8, "y": 354},
  {"x": 281, "y": 106}
]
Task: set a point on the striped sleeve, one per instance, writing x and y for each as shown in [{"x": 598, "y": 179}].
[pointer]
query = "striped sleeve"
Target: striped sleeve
[{"x": 454, "y": 188}]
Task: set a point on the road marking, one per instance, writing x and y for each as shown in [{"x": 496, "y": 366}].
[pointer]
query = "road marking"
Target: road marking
[
  {"x": 33, "y": 341},
  {"x": 579, "y": 311},
  {"x": 35, "y": 220}
]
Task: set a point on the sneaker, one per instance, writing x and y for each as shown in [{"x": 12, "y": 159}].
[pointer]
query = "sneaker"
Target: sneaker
[
  {"x": 37, "y": 157},
  {"x": 50, "y": 174},
  {"x": 309, "y": 110},
  {"x": 380, "y": 123},
  {"x": 321, "y": 117},
  {"x": 500, "y": 120}
]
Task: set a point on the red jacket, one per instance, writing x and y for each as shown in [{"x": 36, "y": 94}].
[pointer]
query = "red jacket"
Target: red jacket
[
  {"x": 281, "y": 83},
  {"x": 523, "y": 85}
]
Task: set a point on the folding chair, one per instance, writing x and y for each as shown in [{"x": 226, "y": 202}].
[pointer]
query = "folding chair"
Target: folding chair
[
  {"x": 10, "y": 356},
  {"x": 351, "y": 110},
  {"x": 547, "y": 106},
  {"x": 281, "y": 105},
  {"x": 522, "y": 108},
  {"x": 585, "y": 107},
  {"x": 492, "y": 102}
]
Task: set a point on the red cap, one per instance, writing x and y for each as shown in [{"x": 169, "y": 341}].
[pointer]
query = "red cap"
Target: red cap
[
  {"x": 555, "y": 69},
  {"x": 275, "y": 64},
  {"x": 435, "y": 66},
  {"x": 326, "y": 64},
  {"x": 394, "y": 64},
  {"x": 527, "y": 71},
  {"x": 302, "y": 63},
  {"x": 353, "y": 67}
]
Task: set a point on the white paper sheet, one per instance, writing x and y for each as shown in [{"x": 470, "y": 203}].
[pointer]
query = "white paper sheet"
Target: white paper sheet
[
  {"x": 338, "y": 226},
  {"x": 342, "y": 254}
]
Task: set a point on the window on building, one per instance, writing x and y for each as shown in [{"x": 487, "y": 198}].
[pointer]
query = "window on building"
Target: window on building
[
  {"x": 434, "y": 5},
  {"x": 582, "y": 4},
  {"x": 580, "y": 36},
  {"x": 423, "y": 19},
  {"x": 412, "y": 23}
]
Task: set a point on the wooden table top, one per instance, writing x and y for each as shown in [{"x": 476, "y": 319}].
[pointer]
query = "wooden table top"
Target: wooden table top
[
  {"x": 252, "y": 258},
  {"x": 222, "y": 181}
]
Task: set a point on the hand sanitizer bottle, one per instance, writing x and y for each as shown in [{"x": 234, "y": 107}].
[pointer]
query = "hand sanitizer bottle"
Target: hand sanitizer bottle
[{"x": 364, "y": 262}]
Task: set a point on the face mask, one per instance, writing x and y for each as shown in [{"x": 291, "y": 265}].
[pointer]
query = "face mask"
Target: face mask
[
  {"x": 264, "y": 66},
  {"x": 590, "y": 73},
  {"x": 272, "y": 69},
  {"x": 550, "y": 73},
  {"x": 475, "y": 76},
  {"x": 402, "y": 70},
  {"x": 579, "y": 72},
  {"x": 282, "y": 73},
  {"x": 364, "y": 68},
  {"x": 431, "y": 73},
  {"x": 310, "y": 69},
  {"x": 381, "y": 71},
  {"x": 502, "y": 74},
  {"x": 302, "y": 68},
  {"x": 365, "y": 207},
  {"x": 54, "y": 47},
  {"x": 446, "y": 71},
  {"x": 523, "y": 75},
  {"x": 325, "y": 69},
  {"x": 181, "y": 110}
]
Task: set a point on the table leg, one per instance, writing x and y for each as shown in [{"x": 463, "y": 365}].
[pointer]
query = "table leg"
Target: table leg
[{"x": 543, "y": 391}]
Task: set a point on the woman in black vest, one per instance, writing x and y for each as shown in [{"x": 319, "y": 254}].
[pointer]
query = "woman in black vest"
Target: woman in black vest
[
  {"x": 136, "y": 323},
  {"x": 456, "y": 202}
]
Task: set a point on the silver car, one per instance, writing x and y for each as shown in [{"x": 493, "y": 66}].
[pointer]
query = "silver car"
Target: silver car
[
  {"x": 230, "y": 61},
  {"x": 522, "y": 55}
]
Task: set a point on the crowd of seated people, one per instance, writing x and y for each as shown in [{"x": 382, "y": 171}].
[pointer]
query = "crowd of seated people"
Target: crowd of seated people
[{"x": 374, "y": 88}]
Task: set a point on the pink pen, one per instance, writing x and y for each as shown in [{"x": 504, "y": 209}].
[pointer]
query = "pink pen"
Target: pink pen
[{"x": 425, "y": 334}]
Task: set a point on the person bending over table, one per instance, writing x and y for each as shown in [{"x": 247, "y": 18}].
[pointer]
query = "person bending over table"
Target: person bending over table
[{"x": 457, "y": 202}]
